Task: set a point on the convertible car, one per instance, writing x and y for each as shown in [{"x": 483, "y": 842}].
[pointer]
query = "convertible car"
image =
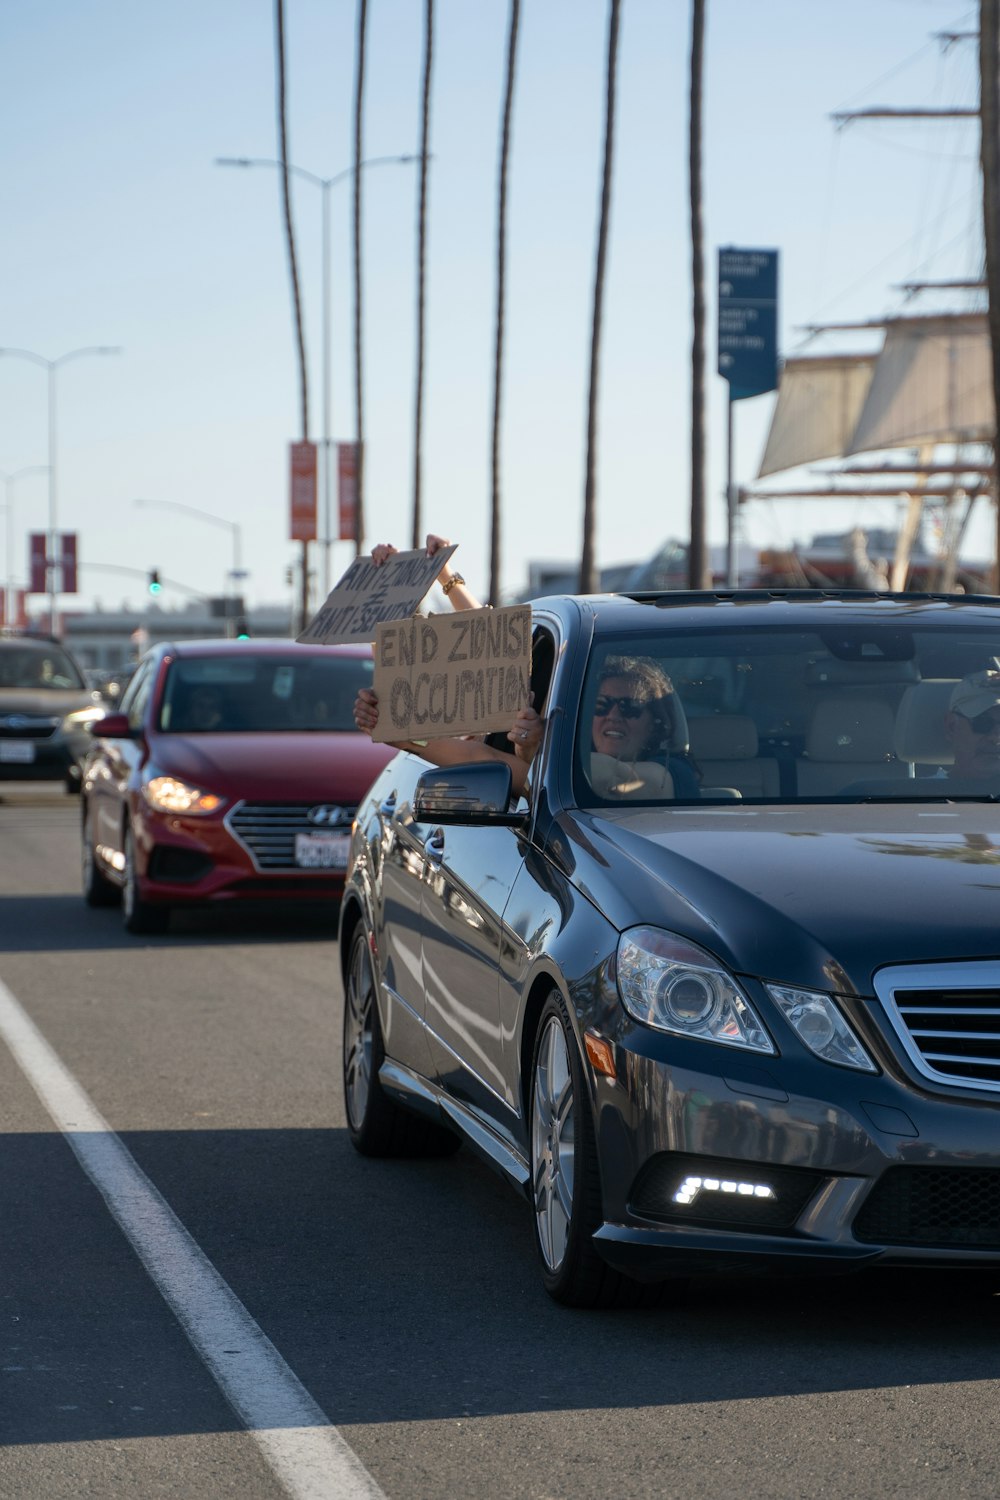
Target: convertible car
[{"x": 722, "y": 991}]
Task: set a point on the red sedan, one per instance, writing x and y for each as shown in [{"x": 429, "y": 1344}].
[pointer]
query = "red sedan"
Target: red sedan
[{"x": 232, "y": 771}]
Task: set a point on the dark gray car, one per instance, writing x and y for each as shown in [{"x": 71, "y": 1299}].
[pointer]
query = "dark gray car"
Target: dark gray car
[
  {"x": 723, "y": 992},
  {"x": 45, "y": 707}
]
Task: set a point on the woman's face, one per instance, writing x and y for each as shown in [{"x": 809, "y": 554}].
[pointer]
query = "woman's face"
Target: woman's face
[{"x": 622, "y": 725}]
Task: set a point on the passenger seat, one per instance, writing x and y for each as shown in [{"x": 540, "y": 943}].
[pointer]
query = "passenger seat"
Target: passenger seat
[
  {"x": 848, "y": 740},
  {"x": 725, "y": 746}
]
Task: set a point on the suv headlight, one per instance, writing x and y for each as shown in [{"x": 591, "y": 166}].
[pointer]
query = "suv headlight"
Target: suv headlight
[
  {"x": 672, "y": 984},
  {"x": 169, "y": 794},
  {"x": 80, "y": 717},
  {"x": 817, "y": 1021}
]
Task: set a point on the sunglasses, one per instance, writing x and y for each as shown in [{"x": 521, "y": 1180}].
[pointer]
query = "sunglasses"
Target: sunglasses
[
  {"x": 987, "y": 723},
  {"x": 627, "y": 707}
]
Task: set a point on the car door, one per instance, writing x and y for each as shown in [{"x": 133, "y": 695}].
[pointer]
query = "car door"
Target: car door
[
  {"x": 469, "y": 874},
  {"x": 398, "y": 853}
]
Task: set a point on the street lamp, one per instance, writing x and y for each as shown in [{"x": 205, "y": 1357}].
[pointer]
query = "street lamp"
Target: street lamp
[
  {"x": 325, "y": 183},
  {"x": 236, "y": 571},
  {"x": 9, "y": 481},
  {"x": 52, "y": 365}
]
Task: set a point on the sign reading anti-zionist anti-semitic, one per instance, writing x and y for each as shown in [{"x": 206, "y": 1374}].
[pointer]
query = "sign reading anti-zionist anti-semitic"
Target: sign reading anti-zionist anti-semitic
[
  {"x": 463, "y": 673},
  {"x": 369, "y": 593}
]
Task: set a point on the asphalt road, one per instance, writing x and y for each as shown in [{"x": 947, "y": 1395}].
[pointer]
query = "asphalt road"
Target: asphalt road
[{"x": 400, "y": 1299}]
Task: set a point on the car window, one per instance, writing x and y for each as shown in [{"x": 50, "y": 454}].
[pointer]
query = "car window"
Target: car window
[
  {"x": 782, "y": 715},
  {"x": 47, "y": 668},
  {"x": 293, "y": 693},
  {"x": 136, "y": 699}
]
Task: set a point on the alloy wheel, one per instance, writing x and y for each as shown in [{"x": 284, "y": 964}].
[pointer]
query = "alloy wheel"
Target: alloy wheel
[
  {"x": 358, "y": 1006},
  {"x": 553, "y": 1143}
]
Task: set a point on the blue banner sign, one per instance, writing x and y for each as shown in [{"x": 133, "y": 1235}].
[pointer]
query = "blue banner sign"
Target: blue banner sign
[{"x": 748, "y": 321}]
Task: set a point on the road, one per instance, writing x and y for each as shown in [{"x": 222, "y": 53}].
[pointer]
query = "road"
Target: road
[{"x": 399, "y": 1299}]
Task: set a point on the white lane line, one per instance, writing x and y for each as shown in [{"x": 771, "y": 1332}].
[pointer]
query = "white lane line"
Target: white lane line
[{"x": 306, "y": 1452}]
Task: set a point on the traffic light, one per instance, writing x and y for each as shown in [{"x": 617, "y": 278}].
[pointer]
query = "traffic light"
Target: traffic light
[
  {"x": 154, "y": 585},
  {"x": 242, "y": 630}
]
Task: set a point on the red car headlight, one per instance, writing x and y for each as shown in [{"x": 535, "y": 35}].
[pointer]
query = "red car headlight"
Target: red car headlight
[{"x": 169, "y": 794}]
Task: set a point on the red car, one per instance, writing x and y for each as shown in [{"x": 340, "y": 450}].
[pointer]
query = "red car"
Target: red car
[{"x": 232, "y": 771}]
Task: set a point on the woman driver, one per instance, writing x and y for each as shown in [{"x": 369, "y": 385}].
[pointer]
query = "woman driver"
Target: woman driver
[{"x": 633, "y": 726}]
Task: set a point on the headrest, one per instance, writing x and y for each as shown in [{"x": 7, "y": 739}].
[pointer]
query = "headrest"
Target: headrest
[
  {"x": 850, "y": 729},
  {"x": 723, "y": 737},
  {"x": 920, "y": 732}
]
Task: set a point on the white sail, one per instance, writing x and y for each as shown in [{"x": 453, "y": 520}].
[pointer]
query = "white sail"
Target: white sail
[
  {"x": 932, "y": 383},
  {"x": 816, "y": 413}
]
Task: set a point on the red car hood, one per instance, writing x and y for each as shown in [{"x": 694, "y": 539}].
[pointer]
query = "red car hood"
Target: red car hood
[{"x": 322, "y": 767}]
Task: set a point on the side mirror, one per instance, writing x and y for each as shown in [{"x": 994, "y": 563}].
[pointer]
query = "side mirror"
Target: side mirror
[
  {"x": 478, "y": 793},
  {"x": 111, "y": 727}
]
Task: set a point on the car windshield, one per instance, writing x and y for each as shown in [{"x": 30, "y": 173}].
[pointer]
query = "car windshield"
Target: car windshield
[
  {"x": 294, "y": 693},
  {"x": 48, "y": 668},
  {"x": 783, "y": 715}
]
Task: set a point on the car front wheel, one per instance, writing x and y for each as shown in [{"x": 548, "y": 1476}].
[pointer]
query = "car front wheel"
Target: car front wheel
[
  {"x": 565, "y": 1179},
  {"x": 139, "y": 916}
]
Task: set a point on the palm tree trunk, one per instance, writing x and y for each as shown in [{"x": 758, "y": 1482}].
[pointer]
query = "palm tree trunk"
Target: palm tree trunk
[
  {"x": 359, "y": 408},
  {"x": 418, "y": 414},
  {"x": 588, "y": 569},
  {"x": 279, "y": 21},
  {"x": 696, "y": 552},
  {"x": 515, "y": 15}
]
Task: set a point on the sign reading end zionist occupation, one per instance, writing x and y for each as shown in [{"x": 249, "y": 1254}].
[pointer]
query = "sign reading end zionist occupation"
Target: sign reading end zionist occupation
[
  {"x": 369, "y": 593},
  {"x": 464, "y": 673}
]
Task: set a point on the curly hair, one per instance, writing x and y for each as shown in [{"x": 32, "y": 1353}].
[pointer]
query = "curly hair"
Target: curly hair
[{"x": 651, "y": 686}]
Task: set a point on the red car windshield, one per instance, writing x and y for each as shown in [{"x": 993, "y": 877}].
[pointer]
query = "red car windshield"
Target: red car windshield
[{"x": 247, "y": 694}]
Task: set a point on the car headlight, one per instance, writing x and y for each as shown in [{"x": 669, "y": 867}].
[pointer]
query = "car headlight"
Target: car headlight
[
  {"x": 817, "y": 1021},
  {"x": 169, "y": 794},
  {"x": 81, "y": 717},
  {"x": 667, "y": 982}
]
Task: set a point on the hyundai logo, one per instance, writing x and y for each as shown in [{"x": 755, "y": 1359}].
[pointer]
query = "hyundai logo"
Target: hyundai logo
[{"x": 326, "y": 814}]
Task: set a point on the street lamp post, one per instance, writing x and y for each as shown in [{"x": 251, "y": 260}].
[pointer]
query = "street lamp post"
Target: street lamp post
[
  {"x": 52, "y": 366},
  {"x": 325, "y": 184},
  {"x": 236, "y": 572},
  {"x": 9, "y": 481}
]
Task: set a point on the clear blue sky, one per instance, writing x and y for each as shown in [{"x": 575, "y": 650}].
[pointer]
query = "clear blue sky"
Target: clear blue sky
[{"x": 118, "y": 229}]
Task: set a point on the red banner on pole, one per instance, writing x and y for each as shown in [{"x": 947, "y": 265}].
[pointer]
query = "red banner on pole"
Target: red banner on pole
[
  {"x": 67, "y": 562},
  {"x": 38, "y": 552},
  {"x": 347, "y": 491},
  {"x": 302, "y": 491}
]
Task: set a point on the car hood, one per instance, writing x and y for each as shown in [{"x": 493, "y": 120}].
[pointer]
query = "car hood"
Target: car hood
[
  {"x": 268, "y": 767},
  {"x": 820, "y": 896},
  {"x": 44, "y": 702}
]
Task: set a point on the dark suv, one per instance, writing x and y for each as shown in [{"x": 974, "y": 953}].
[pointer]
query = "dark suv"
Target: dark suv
[{"x": 45, "y": 706}]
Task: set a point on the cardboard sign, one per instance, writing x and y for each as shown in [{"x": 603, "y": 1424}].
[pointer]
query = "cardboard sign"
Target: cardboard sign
[
  {"x": 465, "y": 673},
  {"x": 367, "y": 595}
]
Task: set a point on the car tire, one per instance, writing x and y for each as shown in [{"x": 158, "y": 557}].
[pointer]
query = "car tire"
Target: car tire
[
  {"x": 139, "y": 916},
  {"x": 98, "y": 890},
  {"x": 565, "y": 1178},
  {"x": 378, "y": 1126}
]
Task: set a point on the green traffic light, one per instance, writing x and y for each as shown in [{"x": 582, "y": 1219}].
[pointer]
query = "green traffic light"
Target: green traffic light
[{"x": 155, "y": 586}]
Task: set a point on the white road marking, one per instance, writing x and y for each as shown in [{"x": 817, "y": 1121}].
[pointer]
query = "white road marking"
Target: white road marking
[{"x": 306, "y": 1452}]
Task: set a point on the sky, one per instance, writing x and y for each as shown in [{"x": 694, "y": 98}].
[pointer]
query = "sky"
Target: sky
[{"x": 120, "y": 230}]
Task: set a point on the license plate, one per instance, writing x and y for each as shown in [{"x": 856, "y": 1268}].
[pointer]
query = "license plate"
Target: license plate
[
  {"x": 322, "y": 851},
  {"x": 22, "y": 751}
]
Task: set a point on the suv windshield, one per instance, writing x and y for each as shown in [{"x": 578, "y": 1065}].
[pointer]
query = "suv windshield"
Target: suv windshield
[
  {"x": 789, "y": 715},
  {"x": 297, "y": 693},
  {"x": 37, "y": 667}
]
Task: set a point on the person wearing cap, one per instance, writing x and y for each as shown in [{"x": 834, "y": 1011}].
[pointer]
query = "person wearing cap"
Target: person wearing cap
[{"x": 972, "y": 725}]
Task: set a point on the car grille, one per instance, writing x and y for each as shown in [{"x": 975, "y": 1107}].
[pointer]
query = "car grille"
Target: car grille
[
  {"x": 948, "y": 1019},
  {"x": 656, "y": 1188},
  {"x": 27, "y": 727},
  {"x": 933, "y": 1206},
  {"x": 267, "y": 829}
]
